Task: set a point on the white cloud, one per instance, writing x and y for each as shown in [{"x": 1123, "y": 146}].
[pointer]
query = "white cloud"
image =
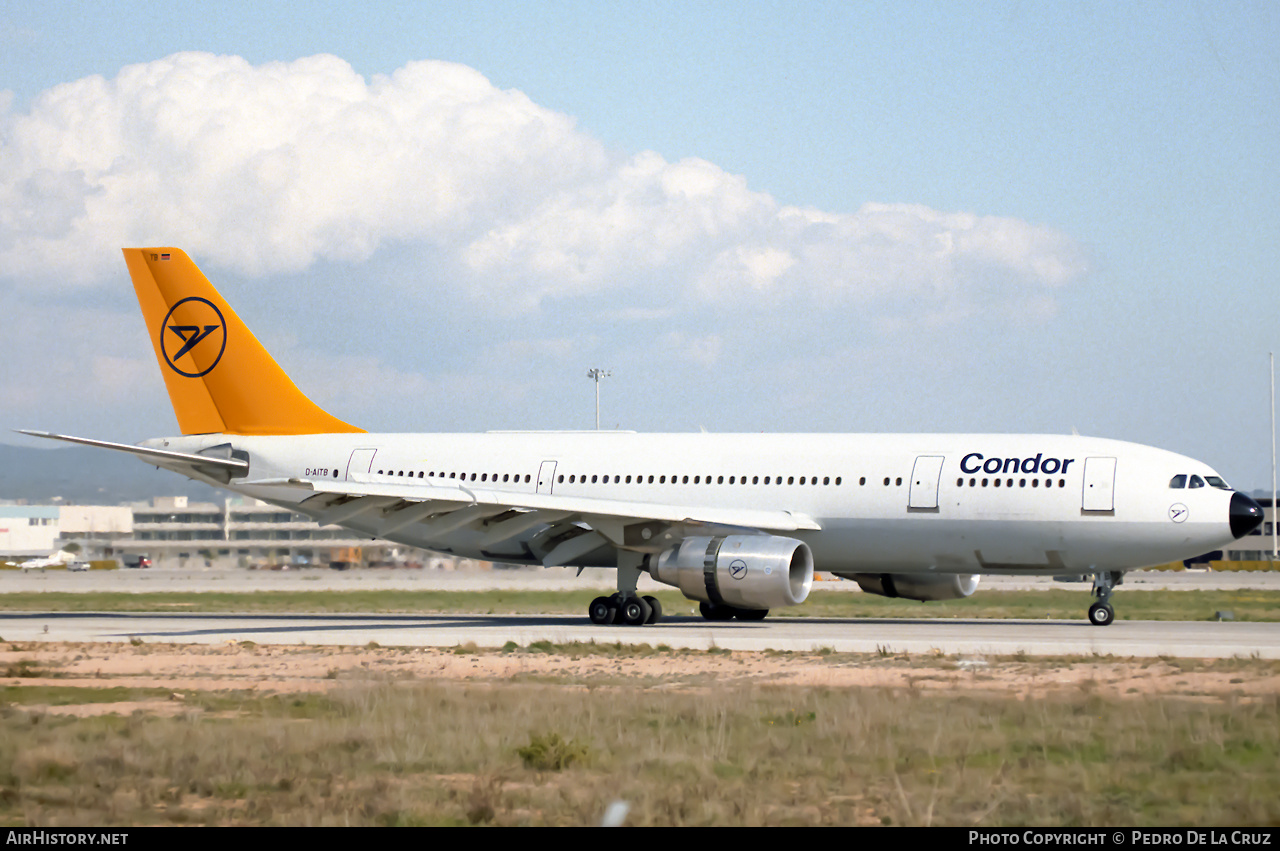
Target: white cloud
[
  {"x": 272, "y": 168},
  {"x": 269, "y": 168}
]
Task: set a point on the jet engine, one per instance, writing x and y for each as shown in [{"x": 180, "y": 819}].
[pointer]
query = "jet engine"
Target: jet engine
[
  {"x": 742, "y": 571},
  {"x": 916, "y": 586}
]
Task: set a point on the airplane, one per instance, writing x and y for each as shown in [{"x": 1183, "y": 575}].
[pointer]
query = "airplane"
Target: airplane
[
  {"x": 58, "y": 559},
  {"x": 737, "y": 522}
]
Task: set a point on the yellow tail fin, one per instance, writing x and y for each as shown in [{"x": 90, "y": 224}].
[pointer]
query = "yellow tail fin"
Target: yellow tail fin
[{"x": 219, "y": 377}]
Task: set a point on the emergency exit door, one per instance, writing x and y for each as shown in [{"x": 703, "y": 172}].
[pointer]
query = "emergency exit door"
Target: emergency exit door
[
  {"x": 924, "y": 481},
  {"x": 1099, "y": 484}
]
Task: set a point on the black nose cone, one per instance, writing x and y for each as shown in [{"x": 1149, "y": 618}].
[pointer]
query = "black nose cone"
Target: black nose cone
[{"x": 1246, "y": 515}]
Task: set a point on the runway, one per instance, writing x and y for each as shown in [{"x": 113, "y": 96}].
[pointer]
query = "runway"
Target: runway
[{"x": 950, "y": 637}]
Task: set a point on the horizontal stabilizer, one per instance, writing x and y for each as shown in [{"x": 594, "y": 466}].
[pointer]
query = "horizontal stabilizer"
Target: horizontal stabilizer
[{"x": 232, "y": 466}]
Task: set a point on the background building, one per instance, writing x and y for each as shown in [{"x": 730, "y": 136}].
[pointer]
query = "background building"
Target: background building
[
  {"x": 245, "y": 532},
  {"x": 28, "y": 530}
]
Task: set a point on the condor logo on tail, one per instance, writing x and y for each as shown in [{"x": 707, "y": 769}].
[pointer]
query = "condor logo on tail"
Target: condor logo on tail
[{"x": 195, "y": 329}]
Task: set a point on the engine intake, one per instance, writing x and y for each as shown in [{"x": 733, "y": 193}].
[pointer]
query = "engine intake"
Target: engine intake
[
  {"x": 916, "y": 586},
  {"x": 743, "y": 571}
]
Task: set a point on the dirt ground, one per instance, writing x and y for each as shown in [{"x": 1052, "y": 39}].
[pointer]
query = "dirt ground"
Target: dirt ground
[{"x": 283, "y": 669}]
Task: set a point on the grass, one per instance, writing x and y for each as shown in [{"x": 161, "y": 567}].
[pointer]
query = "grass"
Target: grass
[
  {"x": 1245, "y": 605},
  {"x": 445, "y": 753}
]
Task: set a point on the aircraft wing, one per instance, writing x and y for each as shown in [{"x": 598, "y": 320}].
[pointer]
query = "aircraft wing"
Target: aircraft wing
[{"x": 445, "y": 508}]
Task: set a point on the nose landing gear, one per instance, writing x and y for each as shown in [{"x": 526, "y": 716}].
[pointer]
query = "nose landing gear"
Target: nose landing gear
[{"x": 1101, "y": 613}]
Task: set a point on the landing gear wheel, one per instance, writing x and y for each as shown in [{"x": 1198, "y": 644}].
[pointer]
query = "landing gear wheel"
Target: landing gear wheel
[
  {"x": 1101, "y": 614},
  {"x": 655, "y": 609},
  {"x": 634, "y": 611},
  {"x": 750, "y": 614},
  {"x": 602, "y": 611},
  {"x": 712, "y": 612}
]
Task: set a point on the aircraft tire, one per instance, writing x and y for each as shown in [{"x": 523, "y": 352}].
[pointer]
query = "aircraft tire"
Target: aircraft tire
[
  {"x": 712, "y": 612},
  {"x": 602, "y": 611},
  {"x": 750, "y": 614},
  {"x": 655, "y": 610},
  {"x": 634, "y": 611},
  {"x": 1101, "y": 614}
]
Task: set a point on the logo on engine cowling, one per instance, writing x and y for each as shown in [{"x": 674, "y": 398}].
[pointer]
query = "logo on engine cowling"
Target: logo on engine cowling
[{"x": 738, "y": 569}]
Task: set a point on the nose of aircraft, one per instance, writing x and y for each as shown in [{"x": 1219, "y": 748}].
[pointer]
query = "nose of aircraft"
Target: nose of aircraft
[{"x": 1246, "y": 515}]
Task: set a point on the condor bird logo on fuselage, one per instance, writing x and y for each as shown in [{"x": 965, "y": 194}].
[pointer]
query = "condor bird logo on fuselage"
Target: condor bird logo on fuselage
[
  {"x": 195, "y": 327},
  {"x": 975, "y": 462}
]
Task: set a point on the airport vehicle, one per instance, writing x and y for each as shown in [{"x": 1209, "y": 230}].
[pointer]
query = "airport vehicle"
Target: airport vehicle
[
  {"x": 738, "y": 522},
  {"x": 133, "y": 560},
  {"x": 77, "y": 566}
]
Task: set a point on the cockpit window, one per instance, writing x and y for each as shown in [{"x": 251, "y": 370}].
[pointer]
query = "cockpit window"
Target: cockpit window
[
  {"x": 1179, "y": 481},
  {"x": 1196, "y": 482},
  {"x": 1217, "y": 482}
]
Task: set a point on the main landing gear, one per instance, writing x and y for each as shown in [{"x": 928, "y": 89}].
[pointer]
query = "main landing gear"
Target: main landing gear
[
  {"x": 1101, "y": 613},
  {"x": 630, "y": 610},
  {"x": 721, "y": 612},
  {"x": 626, "y": 606}
]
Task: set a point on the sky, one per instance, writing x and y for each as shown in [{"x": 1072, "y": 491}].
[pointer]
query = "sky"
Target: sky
[{"x": 785, "y": 217}]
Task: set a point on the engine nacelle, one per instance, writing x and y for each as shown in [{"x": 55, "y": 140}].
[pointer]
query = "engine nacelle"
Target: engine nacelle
[
  {"x": 916, "y": 586},
  {"x": 743, "y": 571}
]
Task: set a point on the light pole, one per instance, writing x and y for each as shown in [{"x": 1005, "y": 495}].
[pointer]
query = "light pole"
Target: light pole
[{"x": 596, "y": 375}]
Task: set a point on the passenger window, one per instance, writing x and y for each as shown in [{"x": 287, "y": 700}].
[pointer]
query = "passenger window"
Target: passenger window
[{"x": 1196, "y": 482}]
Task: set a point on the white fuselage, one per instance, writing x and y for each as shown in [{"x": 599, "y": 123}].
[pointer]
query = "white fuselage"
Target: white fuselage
[{"x": 983, "y": 503}]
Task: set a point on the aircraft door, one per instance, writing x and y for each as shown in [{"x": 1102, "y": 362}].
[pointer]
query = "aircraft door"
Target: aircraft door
[
  {"x": 546, "y": 476},
  {"x": 924, "y": 482},
  {"x": 361, "y": 462},
  {"x": 1099, "y": 484}
]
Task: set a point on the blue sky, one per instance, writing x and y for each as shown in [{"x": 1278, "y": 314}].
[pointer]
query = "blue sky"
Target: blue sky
[{"x": 814, "y": 217}]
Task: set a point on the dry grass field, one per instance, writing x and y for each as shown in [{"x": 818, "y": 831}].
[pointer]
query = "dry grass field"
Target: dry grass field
[{"x": 140, "y": 734}]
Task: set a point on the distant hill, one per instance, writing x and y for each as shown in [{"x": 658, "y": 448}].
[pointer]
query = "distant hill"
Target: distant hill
[{"x": 85, "y": 476}]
